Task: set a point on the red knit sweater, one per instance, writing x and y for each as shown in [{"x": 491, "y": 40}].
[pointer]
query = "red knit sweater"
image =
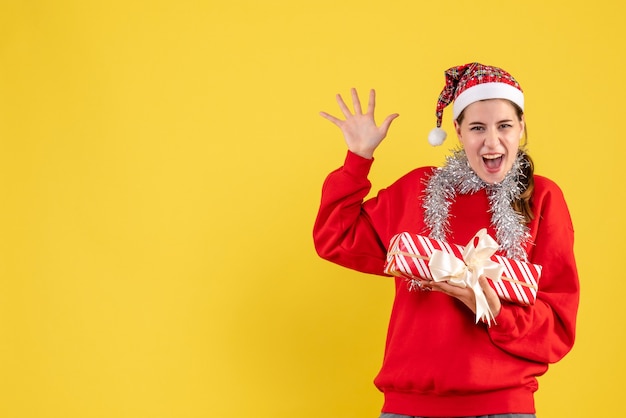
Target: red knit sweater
[{"x": 437, "y": 361}]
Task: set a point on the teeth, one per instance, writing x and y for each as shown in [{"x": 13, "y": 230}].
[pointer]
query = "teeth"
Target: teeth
[{"x": 492, "y": 156}]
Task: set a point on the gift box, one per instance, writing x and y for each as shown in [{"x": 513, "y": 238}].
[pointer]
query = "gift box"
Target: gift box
[{"x": 418, "y": 258}]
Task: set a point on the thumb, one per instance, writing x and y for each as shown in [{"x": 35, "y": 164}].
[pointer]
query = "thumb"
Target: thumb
[{"x": 384, "y": 127}]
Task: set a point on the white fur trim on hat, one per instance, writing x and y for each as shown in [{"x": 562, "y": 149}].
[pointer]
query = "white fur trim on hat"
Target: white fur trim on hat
[{"x": 487, "y": 91}]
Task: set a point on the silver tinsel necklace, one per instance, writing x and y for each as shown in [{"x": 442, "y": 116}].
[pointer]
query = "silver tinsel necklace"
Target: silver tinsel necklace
[{"x": 456, "y": 176}]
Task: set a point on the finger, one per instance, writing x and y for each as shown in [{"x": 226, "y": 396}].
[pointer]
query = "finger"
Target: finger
[
  {"x": 371, "y": 104},
  {"x": 331, "y": 118},
  {"x": 344, "y": 108},
  {"x": 492, "y": 297},
  {"x": 356, "y": 102},
  {"x": 444, "y": 288},
  {"x": 384, "y": 127},
  {"x": 437, "y": 288},
  {"x": 484, "y": 284}
]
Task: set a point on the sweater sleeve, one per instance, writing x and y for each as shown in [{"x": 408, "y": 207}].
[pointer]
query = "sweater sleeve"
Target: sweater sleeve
[
  {"x": 545, "y": 331},
  {"x": 343, "y": 232}
]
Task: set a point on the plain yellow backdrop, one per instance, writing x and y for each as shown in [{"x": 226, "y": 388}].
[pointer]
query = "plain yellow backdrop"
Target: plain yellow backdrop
[{"x": 160, "y": 170}]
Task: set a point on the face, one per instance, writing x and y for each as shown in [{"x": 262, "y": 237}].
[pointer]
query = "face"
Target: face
[{"x": 490, "y": 133}]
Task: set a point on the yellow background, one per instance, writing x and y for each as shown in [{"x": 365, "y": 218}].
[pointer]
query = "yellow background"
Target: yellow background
[{"x": 160, "y": 170}]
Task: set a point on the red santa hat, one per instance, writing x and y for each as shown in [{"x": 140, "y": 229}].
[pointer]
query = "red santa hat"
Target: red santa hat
[{"x": 470, "y": 83}]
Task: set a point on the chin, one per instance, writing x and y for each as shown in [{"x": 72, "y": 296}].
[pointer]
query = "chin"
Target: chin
[{"x": 491, "y": 178}]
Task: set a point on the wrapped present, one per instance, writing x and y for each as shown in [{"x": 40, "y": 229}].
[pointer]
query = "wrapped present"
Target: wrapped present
[{"x": 418, "y": 258}]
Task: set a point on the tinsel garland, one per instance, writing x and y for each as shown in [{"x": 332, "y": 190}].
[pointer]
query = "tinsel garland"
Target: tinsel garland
[{"x": 457, "y": 177}]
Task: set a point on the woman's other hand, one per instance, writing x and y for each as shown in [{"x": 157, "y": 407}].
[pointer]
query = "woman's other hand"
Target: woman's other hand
[{"x": 466, "y": 295}]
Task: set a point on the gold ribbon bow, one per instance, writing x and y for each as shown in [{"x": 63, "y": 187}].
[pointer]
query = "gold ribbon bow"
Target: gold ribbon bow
[{"x": 476, "y": 262}]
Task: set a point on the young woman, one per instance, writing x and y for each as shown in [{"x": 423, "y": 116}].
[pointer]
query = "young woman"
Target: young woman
[{"x": 438, "y": 361}]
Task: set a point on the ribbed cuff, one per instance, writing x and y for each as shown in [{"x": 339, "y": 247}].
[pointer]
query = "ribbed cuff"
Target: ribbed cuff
[{"x": 357, "y": 166}]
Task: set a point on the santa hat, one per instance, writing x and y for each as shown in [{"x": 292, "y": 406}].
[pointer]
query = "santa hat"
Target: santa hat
[{"x": 470, "y": 83}]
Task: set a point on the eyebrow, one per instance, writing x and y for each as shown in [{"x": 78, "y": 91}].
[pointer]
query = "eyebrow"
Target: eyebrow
[{"x": 498, "y": 122}]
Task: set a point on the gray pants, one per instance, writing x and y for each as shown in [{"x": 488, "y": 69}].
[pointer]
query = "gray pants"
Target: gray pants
[{"x": 482, "y": 416}]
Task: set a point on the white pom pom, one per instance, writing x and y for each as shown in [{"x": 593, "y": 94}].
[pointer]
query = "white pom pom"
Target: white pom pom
[{"x": 436, "y": 137}]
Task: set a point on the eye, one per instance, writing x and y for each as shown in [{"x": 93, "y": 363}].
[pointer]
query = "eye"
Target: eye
[
  {"x": 476, "y": 128},
  {"x": 505, "y": 126}
]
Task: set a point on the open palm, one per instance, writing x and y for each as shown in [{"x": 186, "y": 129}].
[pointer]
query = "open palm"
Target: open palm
[{"x": 359, "y": 129}]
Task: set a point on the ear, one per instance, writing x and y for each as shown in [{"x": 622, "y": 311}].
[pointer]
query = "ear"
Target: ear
[
  {"x": 457, "y": 129},
  {"x": 523, "y": 123}
]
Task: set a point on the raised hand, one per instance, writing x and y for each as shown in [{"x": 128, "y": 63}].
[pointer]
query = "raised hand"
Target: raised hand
[{"x": 359, "y": 129}]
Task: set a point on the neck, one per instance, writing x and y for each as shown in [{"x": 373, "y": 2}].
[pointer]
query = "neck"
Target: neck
[{"x": 456, "y": 176}]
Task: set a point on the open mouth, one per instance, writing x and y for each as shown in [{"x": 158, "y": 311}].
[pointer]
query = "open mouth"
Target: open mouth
[{"x": 493, "y": 161}]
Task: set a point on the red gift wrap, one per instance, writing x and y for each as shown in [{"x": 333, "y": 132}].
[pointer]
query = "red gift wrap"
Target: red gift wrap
[{"x": 409, "y": 255}]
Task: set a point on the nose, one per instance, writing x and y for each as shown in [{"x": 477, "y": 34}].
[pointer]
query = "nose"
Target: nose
[{"x": 491, "y": 138}]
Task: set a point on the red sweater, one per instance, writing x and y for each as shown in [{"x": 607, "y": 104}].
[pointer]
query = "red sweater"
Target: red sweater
[{"x": 437, "y": 361}]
